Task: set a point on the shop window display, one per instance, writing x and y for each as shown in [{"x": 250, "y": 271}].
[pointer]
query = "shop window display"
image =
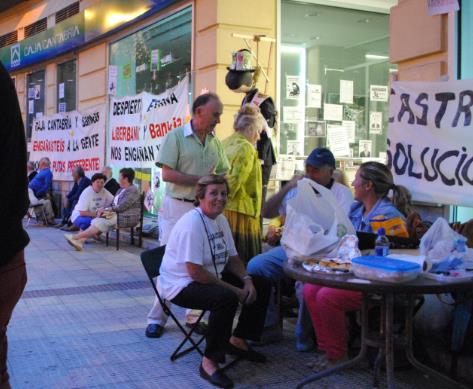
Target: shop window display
[
  {"x": 152, "y": 60},
  {"x": 66, "y": 86},
  {"x": 34, "y": 99},
  {"x": 335, "y": 75}
]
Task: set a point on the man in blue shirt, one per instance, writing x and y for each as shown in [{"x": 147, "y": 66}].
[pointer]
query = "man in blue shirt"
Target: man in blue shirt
[
  {"x": 80, "y": 183},
  {"x": 40, "y": 187}
]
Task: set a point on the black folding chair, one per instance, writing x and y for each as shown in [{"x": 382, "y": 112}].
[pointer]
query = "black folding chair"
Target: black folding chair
[{"x": 151, "y": 260}]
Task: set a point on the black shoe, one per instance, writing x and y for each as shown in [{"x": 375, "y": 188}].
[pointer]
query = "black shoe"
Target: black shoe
[
  {"x": 218, "y": 378},
  {"x": 154, "y": 331},
  {"x": 59, "y": 225},
  {"x": 250, "y": 354},
  {"x": 200, "y": 329}
]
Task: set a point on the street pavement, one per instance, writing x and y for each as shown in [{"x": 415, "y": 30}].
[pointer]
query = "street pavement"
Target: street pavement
[{"x": 81, "y": 321}]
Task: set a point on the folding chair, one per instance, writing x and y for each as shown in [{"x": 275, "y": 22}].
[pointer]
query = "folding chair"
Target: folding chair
[
  {"x": 151, "y": 260},
  {"x": 138, "y": 227},
  {"x": 36, "y": 211}
]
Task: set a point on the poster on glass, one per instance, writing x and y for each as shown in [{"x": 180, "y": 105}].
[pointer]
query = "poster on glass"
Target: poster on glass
[
  {"x": 364, "y": 147},
  {"x": 293, "y": 87},
  {"x": 316, "y": 128}
]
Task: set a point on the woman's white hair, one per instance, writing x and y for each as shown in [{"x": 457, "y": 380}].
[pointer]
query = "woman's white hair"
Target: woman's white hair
[{"x": 249, "y": 121}]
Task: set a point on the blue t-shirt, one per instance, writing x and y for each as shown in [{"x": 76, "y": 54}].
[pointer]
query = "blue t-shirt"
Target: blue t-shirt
[{"x": 383, "y": 208}]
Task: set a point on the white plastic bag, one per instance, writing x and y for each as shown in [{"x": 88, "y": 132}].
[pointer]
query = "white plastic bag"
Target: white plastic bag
[
  {"x": 314, "y": 222},
  {"x": 438, "y": 241}
]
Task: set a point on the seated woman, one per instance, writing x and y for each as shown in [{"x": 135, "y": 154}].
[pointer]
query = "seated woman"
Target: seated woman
[
  {"x": 201, "y": 270},
  {"x": 126, "y": 203},
  {"x": 90, "y": 201},
  {"x": 327, "y": 306}
]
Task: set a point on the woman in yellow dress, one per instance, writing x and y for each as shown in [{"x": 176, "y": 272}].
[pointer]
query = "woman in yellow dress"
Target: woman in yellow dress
[{"x": 243, "y": 209}]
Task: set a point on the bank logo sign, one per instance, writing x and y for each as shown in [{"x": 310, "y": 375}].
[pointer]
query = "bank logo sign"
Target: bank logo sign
[
  {"x": 15, "y": 55},
  {"x": 62, "y": 37}
]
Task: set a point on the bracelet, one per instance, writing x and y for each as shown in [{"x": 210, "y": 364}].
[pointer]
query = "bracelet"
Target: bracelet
[{"x": 247, "y": 277}]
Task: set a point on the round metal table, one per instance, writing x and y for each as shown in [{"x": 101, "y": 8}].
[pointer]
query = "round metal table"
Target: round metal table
[{"x": 385, "y": 340}]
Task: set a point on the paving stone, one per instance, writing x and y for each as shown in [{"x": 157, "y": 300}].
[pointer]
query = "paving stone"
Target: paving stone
[{"x": 85, "y": 333}]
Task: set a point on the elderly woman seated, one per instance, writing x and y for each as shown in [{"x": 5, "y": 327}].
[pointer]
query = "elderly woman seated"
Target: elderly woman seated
[
  {"x": 327, "y": 306},
  {"x": 124, "y": 209},
  {"x": 201, "y": 269}
]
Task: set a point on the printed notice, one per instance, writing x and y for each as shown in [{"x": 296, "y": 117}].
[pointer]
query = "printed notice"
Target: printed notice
[
  {"x": 292, "y": 114},
  {"x": 112, "y": 79},
  {"x": 61, "y": 91},
  {"x": 379, "y": 93},
  {"x": 333, "y": 112},
  {"x": 337, "y": 141},
  {"x": 376, "y": 122},
  {"x": 314, "y": 96},
  {"x": 346, "y": 91},
  {"x": 293, "y": 87},
  {"x": 350, "y": 127},
  {"x": 30, "y": 106}
]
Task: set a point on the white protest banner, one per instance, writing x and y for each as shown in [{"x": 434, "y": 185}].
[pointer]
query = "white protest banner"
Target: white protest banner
[
  {"x": 70, "y": 139},
  {"x": 430, "y": 142},
  {"x": 138, "y": 124}
]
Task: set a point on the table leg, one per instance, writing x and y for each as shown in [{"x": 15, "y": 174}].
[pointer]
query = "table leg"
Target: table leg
[
  {"x": 361, "y": 355},
  {"x": 389, "y": 348},
  {"x": 381, "y": 354},
  {"x": 410, "y": 350}
]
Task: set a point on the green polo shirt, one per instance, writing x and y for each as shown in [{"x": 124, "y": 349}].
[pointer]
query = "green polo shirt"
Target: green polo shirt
[{"x": 183, "y": 151}]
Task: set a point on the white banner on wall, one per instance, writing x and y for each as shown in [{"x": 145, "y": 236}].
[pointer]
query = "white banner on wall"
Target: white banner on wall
[
  {"x": 430, "y": 140},
  {"x": 138, "y": 125},
  {"x": 70, "y": 139}
]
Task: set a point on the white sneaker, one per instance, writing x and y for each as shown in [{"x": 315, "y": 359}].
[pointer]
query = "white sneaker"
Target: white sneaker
[{"x": 77, "y": 244}]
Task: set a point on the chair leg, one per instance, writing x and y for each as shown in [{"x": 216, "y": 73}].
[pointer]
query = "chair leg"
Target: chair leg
[
  {"x": 279, "y": 304},
  {"x": 132, "y": 235},
  {"x": 118, "y": 239},
  {"x": 188, "y": 338},
  {"x": 106, "y": 239},
  {"x": 140, "y": 239}
]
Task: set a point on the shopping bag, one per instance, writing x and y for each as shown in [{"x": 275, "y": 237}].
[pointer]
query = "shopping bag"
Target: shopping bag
[{"x": 314, "y": 222}]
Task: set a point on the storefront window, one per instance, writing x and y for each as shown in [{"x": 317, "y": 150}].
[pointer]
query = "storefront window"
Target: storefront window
[
  {"x": 34, "y": 98},
  {"x": 66, "y": 86},
  {"x": 334, "y": 82},
  {"x": 153, "y": 60}
]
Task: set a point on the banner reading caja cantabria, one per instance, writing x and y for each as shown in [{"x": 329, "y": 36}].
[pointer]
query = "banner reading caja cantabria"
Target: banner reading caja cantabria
[
  {"x": 70, "y": 139},
  {"x": 138, "y": 125},
  {"x": 430, "y": 140}
]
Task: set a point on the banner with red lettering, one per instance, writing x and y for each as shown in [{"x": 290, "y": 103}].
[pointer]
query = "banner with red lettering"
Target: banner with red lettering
[
  {"x": 430, "y": 140},
  {"x": 70, "y": 139},
  {"x": 138, "y": 125}
]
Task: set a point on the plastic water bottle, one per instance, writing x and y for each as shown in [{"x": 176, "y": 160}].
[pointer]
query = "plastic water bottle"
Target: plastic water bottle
[{"x": 381, "y": 246}]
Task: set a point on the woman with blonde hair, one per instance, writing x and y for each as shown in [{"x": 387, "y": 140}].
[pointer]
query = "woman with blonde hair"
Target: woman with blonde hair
[
  {"x": 245, "y": 180},
  {"x": 328, "y": 306}
]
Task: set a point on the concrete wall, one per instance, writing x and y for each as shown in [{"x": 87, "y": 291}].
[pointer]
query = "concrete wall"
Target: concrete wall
[
  {"x": 419, "y": 43},
  {"x": 215, "y": 22}
]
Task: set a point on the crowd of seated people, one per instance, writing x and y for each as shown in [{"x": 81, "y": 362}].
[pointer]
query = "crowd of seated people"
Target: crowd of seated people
[{"x": 125, "y": 209}]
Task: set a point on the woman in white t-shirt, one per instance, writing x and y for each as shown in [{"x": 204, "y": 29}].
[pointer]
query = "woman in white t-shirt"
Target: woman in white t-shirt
[
  {"x": 201, "y": 269},
  {"x": 90, "y": 201}
]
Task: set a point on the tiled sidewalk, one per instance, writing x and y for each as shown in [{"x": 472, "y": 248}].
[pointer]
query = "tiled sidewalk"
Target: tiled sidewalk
[{"x": 80, "y": 324}]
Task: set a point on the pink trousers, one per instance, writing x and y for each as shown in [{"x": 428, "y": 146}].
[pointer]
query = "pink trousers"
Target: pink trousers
[{"x": 327, "y": 308}]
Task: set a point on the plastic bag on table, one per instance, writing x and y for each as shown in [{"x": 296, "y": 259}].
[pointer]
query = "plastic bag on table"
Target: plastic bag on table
[
  {"x": 314, "y": 222},
  {"x": 438, "y": 241}
]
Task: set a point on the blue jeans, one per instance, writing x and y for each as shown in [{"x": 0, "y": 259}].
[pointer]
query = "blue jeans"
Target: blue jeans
[
  {"x": 83, "y": 222},
  {"x": 270, "y": 265}
]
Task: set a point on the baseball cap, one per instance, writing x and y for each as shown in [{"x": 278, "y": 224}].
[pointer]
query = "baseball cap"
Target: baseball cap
[{"x": 319, "y": 157}]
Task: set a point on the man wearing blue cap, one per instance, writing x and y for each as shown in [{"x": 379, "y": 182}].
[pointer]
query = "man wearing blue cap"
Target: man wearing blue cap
[{"x": 319, "y": 167}]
